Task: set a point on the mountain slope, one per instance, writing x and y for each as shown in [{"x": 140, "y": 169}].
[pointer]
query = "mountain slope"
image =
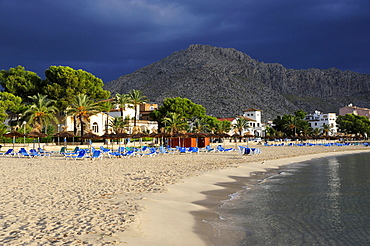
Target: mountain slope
[{"x": 226, "y": 81}]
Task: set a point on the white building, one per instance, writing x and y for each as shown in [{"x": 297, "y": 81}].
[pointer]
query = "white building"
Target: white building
[
  {"x": 255, "y": 125},
  {"x": 319, "y": 120},
  {"x": 253, "y": 116},
  {"x": 99, "y": 122}
]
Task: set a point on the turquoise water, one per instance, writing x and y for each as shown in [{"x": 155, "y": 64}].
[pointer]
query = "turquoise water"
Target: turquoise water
[{"x": 323, "y": 201}]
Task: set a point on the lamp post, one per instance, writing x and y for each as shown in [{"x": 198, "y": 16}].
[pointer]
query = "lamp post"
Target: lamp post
[{"x": 24, "y": 132}]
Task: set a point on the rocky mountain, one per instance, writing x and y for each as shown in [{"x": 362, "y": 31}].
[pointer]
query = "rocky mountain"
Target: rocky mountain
[{"x": 226, "y": 81}]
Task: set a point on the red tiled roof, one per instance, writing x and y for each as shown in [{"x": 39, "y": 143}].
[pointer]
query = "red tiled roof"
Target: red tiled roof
[{"x": 228, "y": 119}]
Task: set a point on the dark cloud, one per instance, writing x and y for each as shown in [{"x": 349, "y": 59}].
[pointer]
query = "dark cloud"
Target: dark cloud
[{"x": 110, "y": 38}]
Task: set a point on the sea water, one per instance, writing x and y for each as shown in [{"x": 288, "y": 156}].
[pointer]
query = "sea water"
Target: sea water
[{"x": 323, "y": 201}]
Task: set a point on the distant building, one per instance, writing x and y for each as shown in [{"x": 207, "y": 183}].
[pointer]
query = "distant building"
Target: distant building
[
  {"x": 146, "y": 109},
  {"x": 253, "y": 116},
  {"x": 256, "y": 126},
  {"x": 350, "y": 109},
  {"x": 319, "y": 120}
]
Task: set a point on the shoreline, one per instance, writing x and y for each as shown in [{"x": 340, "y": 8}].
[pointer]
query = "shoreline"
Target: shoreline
[
  {"x": 177, "y": 216},
  {"x": 127, "y": 201}
]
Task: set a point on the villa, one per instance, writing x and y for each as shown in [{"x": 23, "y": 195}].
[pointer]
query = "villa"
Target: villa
[
  {"x": 319, "y": 120},
  {"x": 254, "y": 117},
  {"x": 99, "y": 123}
]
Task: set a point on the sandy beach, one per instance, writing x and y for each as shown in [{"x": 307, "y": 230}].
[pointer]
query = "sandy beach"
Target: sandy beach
[{"x": 126, "y": 201}]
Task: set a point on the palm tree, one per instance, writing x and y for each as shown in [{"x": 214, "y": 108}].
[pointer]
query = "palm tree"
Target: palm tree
[
  {"x": 316, "y": 132},
  {"x": 306, "y": 130},
  {"x": 42, "y": 111},
  {"x": 174, "y": 122},
  {"x": 270, "y": 131},
  {"x": 200, "y": 125},
  {"x": 223, "y": 127},
  {"x": 136, "y": 98},
  {"x": 326, "y": 129},
  {"x": 290, "y": 124},
  {"x": 241, "y": 124},
  {"x": 82, "y": 108},
  {"x": 122, "y": 100},
  {"x": 118, "y": 124}
]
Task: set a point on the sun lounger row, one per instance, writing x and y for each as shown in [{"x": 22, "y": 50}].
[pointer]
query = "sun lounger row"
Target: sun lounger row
[
  {"x": 309, "y": 144},
  {"x": 24, "y": 153},
  {"x": 83, "y": 155}
]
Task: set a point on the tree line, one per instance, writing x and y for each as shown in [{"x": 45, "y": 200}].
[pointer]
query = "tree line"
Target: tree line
[
  {"x": 25, "y": 97},
  {"x": 296, "y": 126}
]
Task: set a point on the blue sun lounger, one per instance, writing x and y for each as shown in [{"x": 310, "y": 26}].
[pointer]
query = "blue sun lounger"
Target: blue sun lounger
[
  {"x": 8, "y": 152},
  {"x": 80, "y": 155}
]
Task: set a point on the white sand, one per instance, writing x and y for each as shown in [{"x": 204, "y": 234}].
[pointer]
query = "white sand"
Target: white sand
[{"x": 120, "y": 201}]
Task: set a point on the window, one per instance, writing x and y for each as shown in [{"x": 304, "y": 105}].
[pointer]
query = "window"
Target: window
[{"x": 95, "y": 127}]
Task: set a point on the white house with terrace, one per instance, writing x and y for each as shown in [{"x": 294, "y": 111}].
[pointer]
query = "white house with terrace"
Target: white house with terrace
[
  {"x": 319, "y": 120},
  {"x": 99, "y": 123},
  {"x": 255, "y": 125}
]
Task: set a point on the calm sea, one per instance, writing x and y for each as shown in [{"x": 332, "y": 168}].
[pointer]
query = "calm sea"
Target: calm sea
[{"x": 323, "y": 201}]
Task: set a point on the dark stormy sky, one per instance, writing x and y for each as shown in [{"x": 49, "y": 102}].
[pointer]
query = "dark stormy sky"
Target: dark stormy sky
[{"x": 110, "y": 38}]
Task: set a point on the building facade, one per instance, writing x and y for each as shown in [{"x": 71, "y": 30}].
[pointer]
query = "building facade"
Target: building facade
[
  {"x": 350, "y": 109},
  {"x": 319, "y": 120},
  {"x": 99, "y": 123},
  {"x": 255, "y": 125}
]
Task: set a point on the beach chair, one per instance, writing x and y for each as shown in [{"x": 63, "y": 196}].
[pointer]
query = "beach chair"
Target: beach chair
[
  {"x": 61, "y": 151},
  {"x": 113, "y": 154},
  {"x": 41, "y": 151},
  {"x": 73, "y": 152},
  {"x": 23, "y": 153},
  {"x": 8, "y": 152},
  {"x": 130, "y": 153},
  {"x": 209, "y": 149},
  {"x": 152, "y": 153},
  {"x": 34, "y": 153},
  {"x": 81, "y": 155},
  {"x": 193, "y": 150},
  {"x": 222, "y": 149},
  {"x": 244, "y": 150},
  {"x": 163, "y": 150},
  {"x": 255, "y": 151},
  {"x": 97, "y": 154},
  {"x": 169, "y": 149},
  {"x": 183, "y": 150},
  {"x": 104, "y": 150}
]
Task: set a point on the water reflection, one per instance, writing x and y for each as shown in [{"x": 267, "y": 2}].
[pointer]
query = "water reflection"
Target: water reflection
[{"x": 334, "y": 194}]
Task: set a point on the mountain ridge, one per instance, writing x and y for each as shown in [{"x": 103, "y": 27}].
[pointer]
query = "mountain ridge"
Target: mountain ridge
[{"x": 226, "y": 81}]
